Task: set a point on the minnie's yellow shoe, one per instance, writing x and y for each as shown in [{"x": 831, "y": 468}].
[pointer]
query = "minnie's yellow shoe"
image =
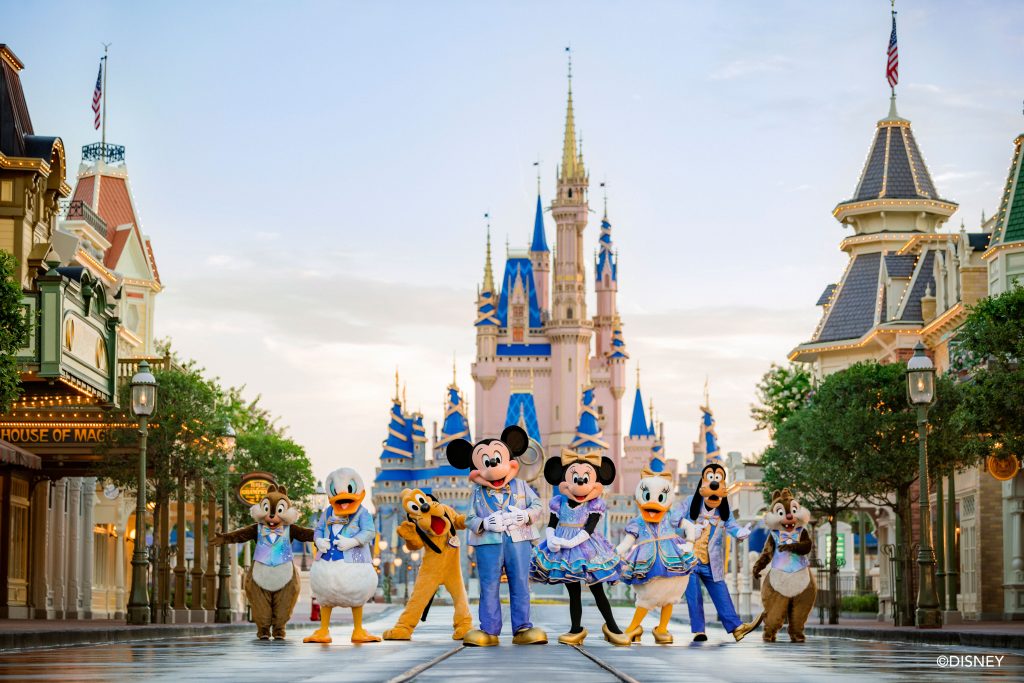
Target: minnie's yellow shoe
[
  {"x": 618, "y": 639},
  {"x": 573, "y": 638}
]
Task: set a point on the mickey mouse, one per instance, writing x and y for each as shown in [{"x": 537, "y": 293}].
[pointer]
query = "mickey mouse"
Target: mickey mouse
[
  {"x": 502, "y": 512},
  {"x": 573, "y": 552}
]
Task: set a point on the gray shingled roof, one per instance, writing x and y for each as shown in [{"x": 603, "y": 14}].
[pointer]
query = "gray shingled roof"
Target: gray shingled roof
[
  {"x": 900, "y": 265},
  {"x": 853, "y": 312},
  {"x": 891, "y": 176},
  {"x": 925, "y": 279},
  {"x": 826, "y": 295},
  {"x": 978, "y": 240}
]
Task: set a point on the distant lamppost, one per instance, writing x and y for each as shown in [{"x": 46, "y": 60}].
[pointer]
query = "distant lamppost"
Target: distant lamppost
[
  {"x": 414, "y": 558},
  {"x": 319, "y": 500},
  {"x": 385, "y": 569},
  {"x": 143, "y": 405},
  {"x": 223, "y": 613},
  {"x": 921, "y": 393}
]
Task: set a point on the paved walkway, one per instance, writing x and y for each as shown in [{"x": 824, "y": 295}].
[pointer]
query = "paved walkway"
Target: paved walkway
[{"x": 434, "y": 656}]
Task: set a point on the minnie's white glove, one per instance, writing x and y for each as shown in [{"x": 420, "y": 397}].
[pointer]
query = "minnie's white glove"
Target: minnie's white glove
[
  {"x": 343, "y": 543},
  {"x": 516, "y": 516},
  {"x": 554, "y": 542},
  {"x": 322, "y": 544},
  {"x": 575, "y": 540}
]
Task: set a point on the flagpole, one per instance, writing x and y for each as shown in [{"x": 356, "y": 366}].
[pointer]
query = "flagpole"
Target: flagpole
[
  {"x": 892, "y": 88},
  {"x": 103, "y": 137}
]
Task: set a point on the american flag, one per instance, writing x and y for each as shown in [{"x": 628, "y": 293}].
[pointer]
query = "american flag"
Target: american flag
[
  {"x": 97, "y": 94},
  {"x": 892, "y": 69}
]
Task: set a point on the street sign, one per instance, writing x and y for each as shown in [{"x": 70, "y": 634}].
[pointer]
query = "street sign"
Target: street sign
[
  {"x": 254, "y": 487},
  {"x": 840, "y": 549}
]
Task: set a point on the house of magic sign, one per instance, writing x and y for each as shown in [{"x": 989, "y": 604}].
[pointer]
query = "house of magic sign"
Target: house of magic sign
[{"x": 48, "y": 434}]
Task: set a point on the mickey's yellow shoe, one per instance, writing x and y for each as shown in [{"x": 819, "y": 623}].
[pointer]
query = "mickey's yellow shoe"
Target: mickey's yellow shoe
[{"x": 478, "y": 638}]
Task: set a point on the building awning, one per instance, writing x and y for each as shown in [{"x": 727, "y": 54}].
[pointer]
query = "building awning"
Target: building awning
[{"x": 13, "y": 455}]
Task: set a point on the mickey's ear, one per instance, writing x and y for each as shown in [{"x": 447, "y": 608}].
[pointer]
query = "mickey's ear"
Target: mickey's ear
[
  {"x": 460, "y": 454},
  {"x": 517, "y": 440},
  {"x": 606, "y": 474},
  {"x": 553, "y": 471}
]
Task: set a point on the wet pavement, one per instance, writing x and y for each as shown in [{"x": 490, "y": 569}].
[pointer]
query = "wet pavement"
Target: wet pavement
[{"x": 433, "y": 656}]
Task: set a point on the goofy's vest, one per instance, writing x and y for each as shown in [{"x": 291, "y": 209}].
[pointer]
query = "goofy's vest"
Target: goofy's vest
[{"x": 274, "y": 546}]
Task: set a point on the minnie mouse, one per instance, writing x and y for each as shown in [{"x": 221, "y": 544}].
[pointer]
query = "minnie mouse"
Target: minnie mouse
[{"x": 573, "y": 552}]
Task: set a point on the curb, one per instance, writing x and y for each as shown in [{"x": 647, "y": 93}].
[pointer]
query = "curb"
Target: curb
[
  {"x": 1006, "y": 641},
  {"x": 26, "y": 640}
]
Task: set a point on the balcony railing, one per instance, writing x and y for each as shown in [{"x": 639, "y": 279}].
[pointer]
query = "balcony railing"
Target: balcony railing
[
  {"x": 127, "y": 367},
  {"x": 81, "y": 211},
  {"x": 99, "y": 151}
]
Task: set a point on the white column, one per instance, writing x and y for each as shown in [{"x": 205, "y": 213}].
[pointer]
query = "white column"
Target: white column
[
  {"x": 58, "y": 564},
  {"x": 237, "y": 599},
  {"x": 119, "y": 592},
  {"x": 73, "y": 556},
  {"x": 88, "y": 544},
  {"x": 1013, "y": 548}
]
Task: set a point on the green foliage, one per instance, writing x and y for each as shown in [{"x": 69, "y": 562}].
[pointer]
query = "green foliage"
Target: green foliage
[
  {"x": 782, "y": 391},
  {"x": 267, "y": 451},
  {"x": 866, "y": 602},
  {"x": 14, "y": 329},
  {"x": 991, "y": 410}
]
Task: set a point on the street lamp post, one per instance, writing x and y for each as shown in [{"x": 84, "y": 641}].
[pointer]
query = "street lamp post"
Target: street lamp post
[
  {"x": 921, "y": 393},
  {"x": 398, "y": 564},
  {"x": 223, "y": 613},
  {"x": 414, "y": 558},
  {"x": 143, "y": 404}
]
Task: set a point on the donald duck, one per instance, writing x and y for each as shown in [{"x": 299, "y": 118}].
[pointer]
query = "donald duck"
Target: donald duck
[{"x": 343, "y": 574}]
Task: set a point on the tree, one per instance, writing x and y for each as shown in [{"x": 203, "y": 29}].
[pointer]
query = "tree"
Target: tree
[
  {"x": 782, "y": 391},
  {"x": 14, "y": 329},
  {"x": 991, "y": 413},
  {"x": 282, "y": 457},
  {"x": 810, "y": 459}
]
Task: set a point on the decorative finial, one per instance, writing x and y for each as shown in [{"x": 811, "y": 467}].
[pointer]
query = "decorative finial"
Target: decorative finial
[
  {"x": 396, "y": 384},
  {"x": 453, "y": 369},
  {"x": 488, "y": 272},
  {"x": 983, "y": 216},
  {"x": 536, "y": 165},
  {"x": 638, "y": 375},
  {"x": 707, "y": 400},
  {"x": 403, "y": 393},
  {"x": 604, "y": 188},
  {"x": 568, "y": 52}
]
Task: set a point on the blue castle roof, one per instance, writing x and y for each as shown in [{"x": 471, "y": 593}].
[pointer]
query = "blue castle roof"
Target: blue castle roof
[
  {"x": 540, "y": 242},
  {"x": 420, "y": 474},
  {"x": 638, "y": 426},
  {"x": 418, "y": 432},
  {"x": 485, "y": 312},
  {"x": 456, "y": 425},
  {"x": 588, "y": 432},
  {"x": 618, "y": 349},
  {"x": 522, "y": 411},
  {"x": 399, "y": 443},
  {"x": 518, "y": 270},
  {"x": 710, "y": 437},
  {"x": 606, "y": 257}
]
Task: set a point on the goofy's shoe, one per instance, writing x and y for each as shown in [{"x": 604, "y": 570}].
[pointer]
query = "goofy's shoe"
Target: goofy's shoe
[
  {"x": 700, "y": 637},
  {"x": 478, "y": 638},
  {"x": 743, "y": 629}
]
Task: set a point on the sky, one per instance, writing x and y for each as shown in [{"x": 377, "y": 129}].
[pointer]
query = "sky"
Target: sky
[{"x": 314, "y": 175}]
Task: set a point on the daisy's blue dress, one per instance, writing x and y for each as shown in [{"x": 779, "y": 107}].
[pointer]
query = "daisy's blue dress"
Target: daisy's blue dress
[
  {"x": 593, "y": 561},
  {"x": 658, "y": 551}
]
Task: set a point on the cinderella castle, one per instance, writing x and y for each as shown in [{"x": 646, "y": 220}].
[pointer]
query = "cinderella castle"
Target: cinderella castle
[{"x": 542, "y": 363}]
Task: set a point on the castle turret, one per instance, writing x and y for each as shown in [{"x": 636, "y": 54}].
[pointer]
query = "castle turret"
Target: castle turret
[
  {"x": 588, "y": 432},
  {"x": 540, "y": 255},
  {"x": 606, "y": 283},
  {"x": 456, "y": 422},
  {"x": 484, "y": 370},
  {"x": 569, "y": 330},
  {"x": 638, "y": 445}
]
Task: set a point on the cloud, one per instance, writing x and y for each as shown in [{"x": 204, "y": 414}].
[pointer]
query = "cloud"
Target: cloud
[{"x": 741, "y": 68}]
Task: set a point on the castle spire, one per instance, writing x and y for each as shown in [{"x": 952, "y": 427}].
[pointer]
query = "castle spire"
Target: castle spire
[
  {"x": 540, "y": 242},
  {"x": 570, "y": 156},
  {"x": 488, "y": 272}
]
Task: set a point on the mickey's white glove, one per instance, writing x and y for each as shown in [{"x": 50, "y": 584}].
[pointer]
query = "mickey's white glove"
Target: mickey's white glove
[
  {"x": 495, "y": 522},
  {"x": 344, "y": 543},
  {"x": 575, "y": 540},
  {"x": 516, "y": 516},
  {"x": 554, "y": 542},
  {"x": 743, "y": 532},
  {"x": 322, "y": 544}
]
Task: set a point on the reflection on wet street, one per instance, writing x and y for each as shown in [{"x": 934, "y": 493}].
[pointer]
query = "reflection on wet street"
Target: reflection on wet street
[{"x": 240, "y": 657}]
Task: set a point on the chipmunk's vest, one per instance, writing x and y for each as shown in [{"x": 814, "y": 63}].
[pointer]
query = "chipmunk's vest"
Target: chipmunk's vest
[
  {"x": 272, "y": 562},
  {"x": 790, "y": 574}
]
